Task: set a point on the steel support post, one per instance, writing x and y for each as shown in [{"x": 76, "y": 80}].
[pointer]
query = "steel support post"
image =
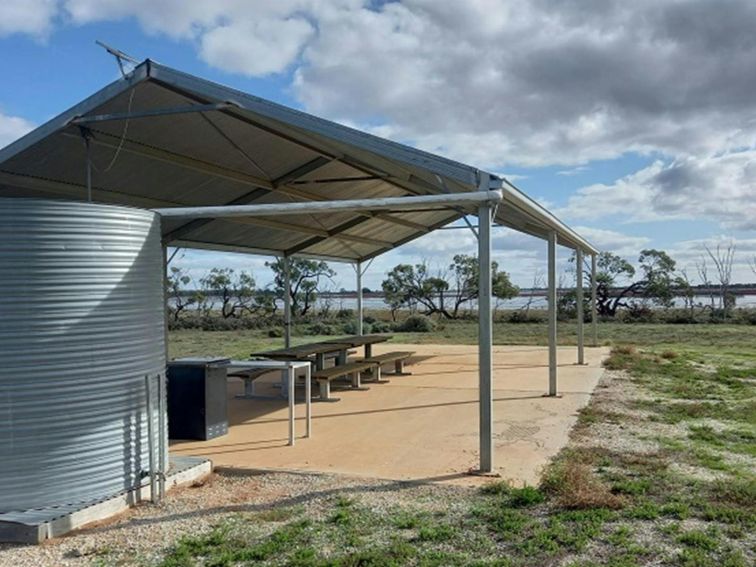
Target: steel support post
[
  {"x": 290, "y": 377},
  {"x": 308, "y": 400},
  {"x": 552, "y": 314},
  {"x": 594, "y": 303},
  {"x": 359, "y": 299},
  {"x": 579, "y": 301},
  {"x": 287, "y": 301},
  {"x": 485, "y": 340}
]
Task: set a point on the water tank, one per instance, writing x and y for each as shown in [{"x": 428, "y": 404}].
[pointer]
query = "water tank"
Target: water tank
[{"x": 81, "y": 326}]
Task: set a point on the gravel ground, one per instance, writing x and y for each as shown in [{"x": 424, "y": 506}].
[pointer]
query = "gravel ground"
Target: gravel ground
[{"x": 139, "y": 536}]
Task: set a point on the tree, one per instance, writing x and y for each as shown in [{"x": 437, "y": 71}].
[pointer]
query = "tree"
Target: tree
[
  {"x": 305, "y": 276},
  {"x": 236, "y": 292},
  {"x": 178, "y": 299},
  {"x": 723, "y": 258},
  {"x": 656, "y": 285},
  {"x": 406, "y": 284}
]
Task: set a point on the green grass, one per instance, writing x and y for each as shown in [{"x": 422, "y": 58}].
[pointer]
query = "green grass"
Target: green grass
[{"x": 724, "y": 342}]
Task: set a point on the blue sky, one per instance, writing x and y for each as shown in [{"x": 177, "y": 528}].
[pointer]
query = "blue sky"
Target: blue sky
[{"x": 635, "y": 128}]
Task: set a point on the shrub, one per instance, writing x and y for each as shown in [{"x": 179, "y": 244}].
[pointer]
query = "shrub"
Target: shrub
[
  {"x": 637, "y": 314},
  {"x": 345, "y": 314},
  {"x": 524, "y": 317},
  {"x": 416, "y": 324},
  {"x": 275, "y": 333},
  {"x": 320, "y": 328},
  {"x": 351, "y": 328},
  {"x": 380, "y": 327}
]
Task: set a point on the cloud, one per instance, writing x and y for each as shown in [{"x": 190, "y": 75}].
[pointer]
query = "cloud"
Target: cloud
[
  {"x": 574, "y": 171},
  {"x": 256, "y": 48},
  {"x": 32, "y": 17},
  {"x": 544, "y": 82},
  {"x": 12, "y": 128},
  {"x": 720, "y": 188},
  {"x": 490, "y": 82}
]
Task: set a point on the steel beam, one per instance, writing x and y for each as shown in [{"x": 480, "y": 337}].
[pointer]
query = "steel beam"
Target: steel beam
[
  {"x": 485, "y": 340},
  {"x": 114, "y": 116},
  {"x": 349, "y": 205},
  {"x": 579, "y": 301},
  {"x": 552, "y": 297},
  {"x": 287, "y": 301},
  {"x": 594, "y": 303}
]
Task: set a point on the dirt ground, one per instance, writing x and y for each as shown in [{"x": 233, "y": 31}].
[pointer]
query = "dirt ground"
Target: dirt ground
[{"x": 418, "y": 427}]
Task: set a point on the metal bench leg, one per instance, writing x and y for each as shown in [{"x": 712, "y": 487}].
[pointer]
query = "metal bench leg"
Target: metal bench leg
[
  {"x": 325, "y": 391},
  {"x": 356, "y": 378},
  {"x": 399, "y": 368},
  {"x": 249, "y": 388}
]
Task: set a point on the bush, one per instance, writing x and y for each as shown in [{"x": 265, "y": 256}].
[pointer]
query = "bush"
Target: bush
[
  {"x": 524, "y": 317},
  {"x": 320, "y": 328},
  {"x": 381, "y": 327},
  {"x": 416, "y": 324},
  {"x": 638, "y": 314},
  {"x": 352, "y": 327},
  {"x": 345, "y": 314},
  {"x": 275, "y": 333}
]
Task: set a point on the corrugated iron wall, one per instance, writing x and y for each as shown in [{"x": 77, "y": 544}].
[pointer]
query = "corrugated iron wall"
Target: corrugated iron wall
[{"x": 81, "y": 325}]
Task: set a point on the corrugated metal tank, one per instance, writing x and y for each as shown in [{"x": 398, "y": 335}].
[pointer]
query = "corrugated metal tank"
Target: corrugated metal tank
[{"x": 81, "y": 325}]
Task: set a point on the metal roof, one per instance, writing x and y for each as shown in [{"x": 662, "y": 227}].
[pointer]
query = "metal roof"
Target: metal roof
[{"x": 191, "y": 142}]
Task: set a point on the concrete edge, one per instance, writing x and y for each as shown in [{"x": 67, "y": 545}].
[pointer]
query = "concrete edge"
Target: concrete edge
[{"x": 36, "y": 533}]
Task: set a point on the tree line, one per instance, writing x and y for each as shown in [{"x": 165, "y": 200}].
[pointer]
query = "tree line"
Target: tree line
[{"x": 451, "y": 292}]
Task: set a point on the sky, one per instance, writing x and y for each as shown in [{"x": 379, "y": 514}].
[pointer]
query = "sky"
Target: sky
[{"x": 634, "y": 122}]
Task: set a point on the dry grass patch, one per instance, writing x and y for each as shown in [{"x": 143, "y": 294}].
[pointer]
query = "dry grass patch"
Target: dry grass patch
[{"x": 574, "y": 486}]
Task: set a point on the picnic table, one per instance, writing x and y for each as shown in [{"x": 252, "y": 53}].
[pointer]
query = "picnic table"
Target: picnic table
[
  {"x": 360, "y": 340},
  {"x": 307, "y": 352}
]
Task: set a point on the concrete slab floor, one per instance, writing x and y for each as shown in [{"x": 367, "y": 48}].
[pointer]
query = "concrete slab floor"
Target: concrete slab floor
[{"x": 421, "y": 427}]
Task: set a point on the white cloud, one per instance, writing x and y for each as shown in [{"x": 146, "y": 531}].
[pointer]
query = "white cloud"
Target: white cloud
[
  {"x": 12, "y": 128},
  {"x": 720, "y": 188},
  {"x": 256, "y": 48},
  {"x": 32, "y": 17}
]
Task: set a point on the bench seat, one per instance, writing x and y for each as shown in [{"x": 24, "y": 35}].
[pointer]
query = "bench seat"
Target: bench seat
[
  {"x": 352, "y": 369},
  {"x": 397, "y": 357}
]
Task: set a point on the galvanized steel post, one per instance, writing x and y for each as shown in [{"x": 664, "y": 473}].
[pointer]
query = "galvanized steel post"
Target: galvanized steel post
[
  {"x": 594, "y": 307},
  {"x": 579, "y": 301},
  {"x": 287, "y": 302},
  {"x": 359, "y": 298},
  {"x": 485, "y": 338},
  {"x": 552, "y": 314}
]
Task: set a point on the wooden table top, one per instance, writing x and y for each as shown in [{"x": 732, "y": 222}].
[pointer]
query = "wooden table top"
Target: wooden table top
[
  {"x": 304, "y": 351},
  {"x": 359, "y": 340}
]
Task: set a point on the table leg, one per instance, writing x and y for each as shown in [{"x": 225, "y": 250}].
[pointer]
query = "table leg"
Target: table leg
[
  {"x": 342, "y": 358},
  {"x": 249, "y": 387},
  {"x": 290, "y": 374},
  {"x": 320, "y": 361},
  {"x": 284, "y": 384},
  {"x": 368, "y": 350}
]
